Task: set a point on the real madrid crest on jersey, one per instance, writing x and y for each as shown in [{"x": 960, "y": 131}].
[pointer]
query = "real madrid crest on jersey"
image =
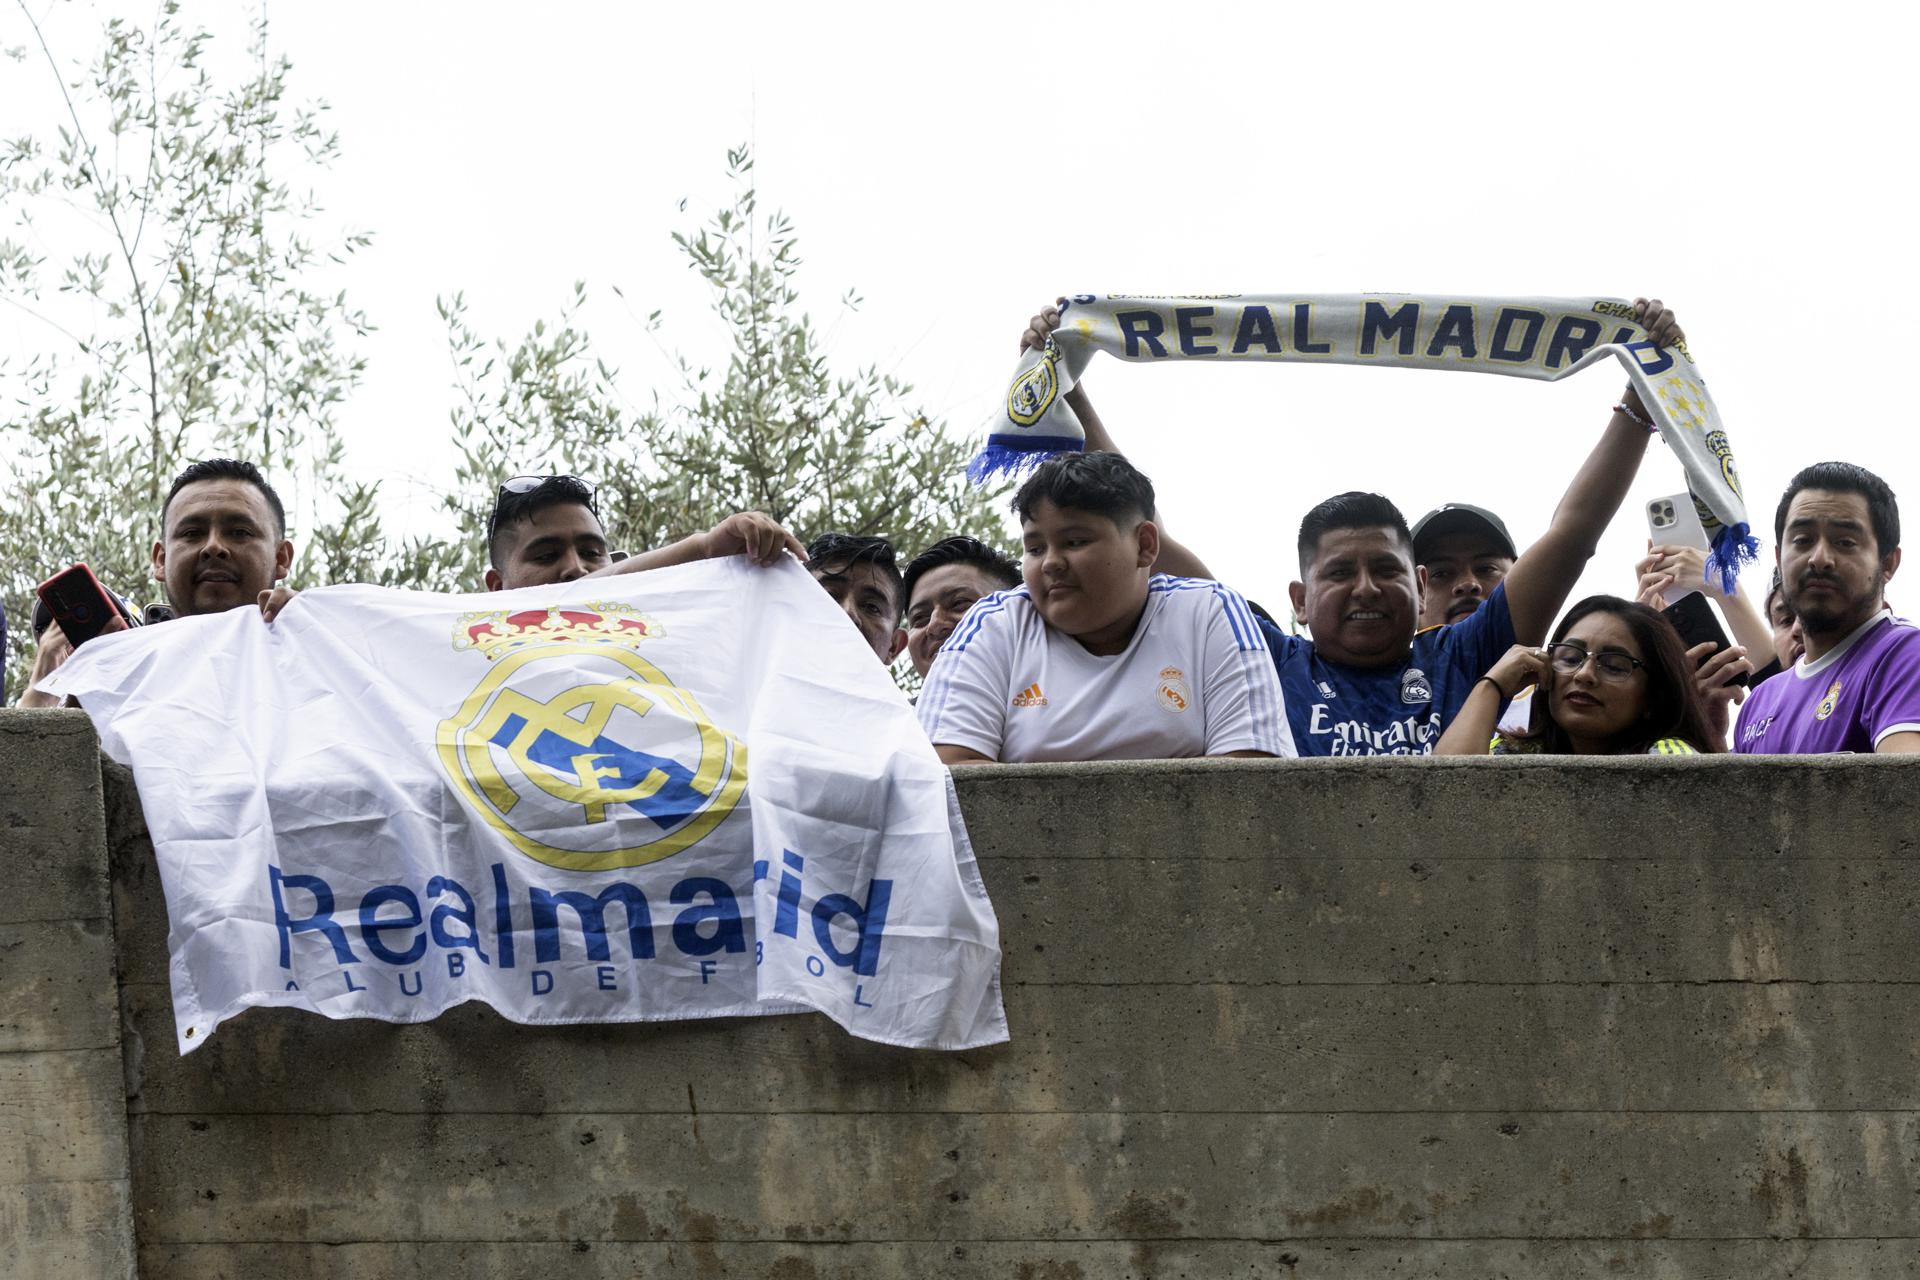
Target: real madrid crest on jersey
[
  {"x": 1172, "y": 692},
  {"x": 1828, "y": 703},
  {"x": 1032, "y": 392},
  {"x": 1415, "y": 687},
  {"x": 578, "y": 750}
]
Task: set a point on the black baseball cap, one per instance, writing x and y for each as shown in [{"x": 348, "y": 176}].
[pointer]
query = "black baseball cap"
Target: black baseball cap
[{"x": 1460, "y": 517}]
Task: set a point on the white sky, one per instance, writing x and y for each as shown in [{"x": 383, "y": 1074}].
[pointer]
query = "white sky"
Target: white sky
[{"x": 961, "y": 164}]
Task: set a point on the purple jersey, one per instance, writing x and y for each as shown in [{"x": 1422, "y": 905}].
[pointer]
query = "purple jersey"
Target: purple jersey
[{"x": 1863, "y": 689}]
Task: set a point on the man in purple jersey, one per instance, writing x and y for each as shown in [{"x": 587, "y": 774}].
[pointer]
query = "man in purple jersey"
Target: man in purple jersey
[{"x": 1857, "y": 687}]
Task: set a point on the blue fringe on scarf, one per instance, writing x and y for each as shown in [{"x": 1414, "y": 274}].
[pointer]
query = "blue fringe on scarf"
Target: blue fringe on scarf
[
  {"x": 1011, "y": 455},
  {"x": 1734, "y": 548}
]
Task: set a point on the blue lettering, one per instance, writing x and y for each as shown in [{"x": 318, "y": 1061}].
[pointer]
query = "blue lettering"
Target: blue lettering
[
  {"x": 816, "y": 967},
  {"x": 321, "y": 921},
  {"x": 1256, "y": 325},
  {"x": 371, "y": 926},
  {"x": 1652, "y": 360},
  {"x": 786, "y": 916},
  {"x": 857, "y": 989},
  {"x": 1303, "y": 343},
  {"x": 1504, "y": 348},
  {"x": 723, "y": 912},
  {"x": 1454, "y": 330},
  {"x": 604, "y": 975},
  {"x": 537, "y": 975},
  {"x": 441, "y": 885},
  {"x": 593, "y": 921},
  {"x": 1401, "y": 324},
  {"x": 456, "y": 964},
  {"x": 1141, "y": 327},
  {"x": 419, "y": 982},
  {"x": 502, "y": 916},
  {"x": 870, "y": 920},
  {"x": 1572, "y": 338},
  {"x": 707, "y": 969},
  {"x": 351, "y": 984},
  {"x": 1184, "y": 319}
]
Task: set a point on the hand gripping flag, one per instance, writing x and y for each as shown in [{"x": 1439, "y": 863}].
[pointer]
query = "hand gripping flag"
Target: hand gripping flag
[
  {"x": 679, "y": 794},
  {"x": 1541, "y": 338}
]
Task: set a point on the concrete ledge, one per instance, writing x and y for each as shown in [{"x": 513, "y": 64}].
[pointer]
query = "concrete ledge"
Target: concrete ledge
[
  {"x": 1334, "y": 1018},
  {"x": 65, "y": 1193}
]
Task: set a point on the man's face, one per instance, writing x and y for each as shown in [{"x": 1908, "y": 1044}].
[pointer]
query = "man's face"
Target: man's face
[
  {"x": 1087, "y": 575},
  {"x": 1831, "y": 572},
  {"x": 1361, "y": 598},
  {"x": 555, "y": 544},
  {"x": 1462, "y": 568},
  {"x": 941, "y": 597},
  {"x": 220, "y": 548},
  {"x": 865, "y": 591}
]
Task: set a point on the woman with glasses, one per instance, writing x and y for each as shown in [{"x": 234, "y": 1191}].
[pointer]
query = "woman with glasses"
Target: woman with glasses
[{"x": 1614, "y": 680}]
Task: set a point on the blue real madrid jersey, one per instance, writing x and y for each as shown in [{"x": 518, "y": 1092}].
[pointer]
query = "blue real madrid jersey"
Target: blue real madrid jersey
[{"x": 1397, "y": 710}]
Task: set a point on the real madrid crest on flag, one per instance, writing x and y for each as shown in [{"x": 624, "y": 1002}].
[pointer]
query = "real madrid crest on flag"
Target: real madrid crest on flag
[
  {"x": 539, "y": 799},
  {"x": 580, "y": 751}
]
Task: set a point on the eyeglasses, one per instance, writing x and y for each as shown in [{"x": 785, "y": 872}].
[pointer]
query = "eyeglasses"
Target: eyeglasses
[
  {"x": 1569, "y": 658},
  {"x": 520, "y": 486}
]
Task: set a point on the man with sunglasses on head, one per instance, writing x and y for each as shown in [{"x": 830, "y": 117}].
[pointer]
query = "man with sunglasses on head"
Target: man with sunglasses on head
[{"x": 546, "y": 529}]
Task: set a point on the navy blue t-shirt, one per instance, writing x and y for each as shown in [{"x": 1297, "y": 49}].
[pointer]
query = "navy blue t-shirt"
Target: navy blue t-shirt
[{"x": 1399, "y": 710}]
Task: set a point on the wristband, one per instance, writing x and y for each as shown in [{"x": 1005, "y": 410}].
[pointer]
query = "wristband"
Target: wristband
[
  {"x": 1631, "y": 416},
  {"x": 1504, "y": 695}
]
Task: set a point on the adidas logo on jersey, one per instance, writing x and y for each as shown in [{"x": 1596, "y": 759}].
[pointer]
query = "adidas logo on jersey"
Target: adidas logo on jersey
[{"x": 1030, "y": 696}]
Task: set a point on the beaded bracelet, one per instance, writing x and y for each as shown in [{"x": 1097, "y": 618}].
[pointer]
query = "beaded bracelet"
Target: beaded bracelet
[{"x": 1631, "y": 416}]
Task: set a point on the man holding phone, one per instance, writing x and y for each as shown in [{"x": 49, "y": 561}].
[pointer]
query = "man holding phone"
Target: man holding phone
[{"x": 223, "y": 545}]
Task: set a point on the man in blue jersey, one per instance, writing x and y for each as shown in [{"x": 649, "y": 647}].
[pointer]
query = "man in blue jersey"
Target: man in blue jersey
[{"x": 1369, "y": 682}]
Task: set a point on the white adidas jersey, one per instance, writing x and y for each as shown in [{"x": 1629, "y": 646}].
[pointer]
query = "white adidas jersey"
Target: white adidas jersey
[{"x": 1195, "y": 680}]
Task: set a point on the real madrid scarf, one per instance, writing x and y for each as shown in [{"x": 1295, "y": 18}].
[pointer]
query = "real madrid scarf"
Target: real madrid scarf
[{"x": 1541, "y": 338}]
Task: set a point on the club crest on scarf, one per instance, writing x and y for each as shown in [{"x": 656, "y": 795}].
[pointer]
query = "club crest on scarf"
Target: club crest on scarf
[
  {"x": 583, "y": 754},
  {"x": 1033, "y": 391}
]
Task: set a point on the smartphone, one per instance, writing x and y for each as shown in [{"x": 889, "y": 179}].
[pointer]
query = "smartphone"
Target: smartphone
[
  {"x": 81, "y": 606},
  {"x": 1672, "y": 522},
  {"x": 1694, "y": 619}
]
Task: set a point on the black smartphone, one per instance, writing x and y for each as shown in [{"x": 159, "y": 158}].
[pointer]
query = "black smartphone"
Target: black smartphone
[
  {"x": 1694, "y": 619},
  {"x": 78, "y": 602}
]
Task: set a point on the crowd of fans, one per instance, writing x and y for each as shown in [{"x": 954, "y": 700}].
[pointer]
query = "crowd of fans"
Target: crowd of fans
[{"x": 1108, "y": 639}]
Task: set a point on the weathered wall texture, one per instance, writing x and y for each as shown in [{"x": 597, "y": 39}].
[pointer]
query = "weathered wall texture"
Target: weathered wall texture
[
  {"x": 1398, "y": 1019},
  {"x": 64, "y": 1202}
]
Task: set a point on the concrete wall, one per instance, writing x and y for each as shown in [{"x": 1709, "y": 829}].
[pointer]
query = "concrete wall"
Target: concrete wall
[
  {"x": 1396, "y": 1019},
  {"x": 65, "y": 1206}
]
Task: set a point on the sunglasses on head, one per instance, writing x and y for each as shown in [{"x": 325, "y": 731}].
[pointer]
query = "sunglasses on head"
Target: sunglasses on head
[{"x": 521, "y": 486}]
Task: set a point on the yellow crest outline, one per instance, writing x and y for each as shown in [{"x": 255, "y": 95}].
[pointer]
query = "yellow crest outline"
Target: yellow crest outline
[
  {"x": 1830, "y": 702},
  {"x": 723, "y": 758},
  {"x": 1032, "y": 393}
]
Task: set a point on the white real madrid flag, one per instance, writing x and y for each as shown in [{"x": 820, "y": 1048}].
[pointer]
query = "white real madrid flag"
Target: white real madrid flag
[{"x": 679, "y": 794}]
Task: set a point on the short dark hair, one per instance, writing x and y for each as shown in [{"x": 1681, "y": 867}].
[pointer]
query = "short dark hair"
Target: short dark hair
[
  {"x": 996, "y": 564},
  {"x": 1845, "y": 477},
  {"x": 1350, "y": 510},
  {"x": 1104, "y": 484},
  {"x": 848, "y": 549},
  {"x": 226, "y": 469},
  {"x": 512, "y": 509}
]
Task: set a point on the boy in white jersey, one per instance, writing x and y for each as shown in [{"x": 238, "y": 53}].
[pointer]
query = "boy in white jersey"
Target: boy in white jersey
[{"x": 1094, "y": 656}]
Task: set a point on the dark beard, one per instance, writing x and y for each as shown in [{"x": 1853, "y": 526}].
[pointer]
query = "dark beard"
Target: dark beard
[{"x": 1817, "y": 620}]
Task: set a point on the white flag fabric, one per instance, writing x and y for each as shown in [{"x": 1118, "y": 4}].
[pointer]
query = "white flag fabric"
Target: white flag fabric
[
  {"x": 1541, "y": 338},
  {"x": 388, "y": 803}
]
